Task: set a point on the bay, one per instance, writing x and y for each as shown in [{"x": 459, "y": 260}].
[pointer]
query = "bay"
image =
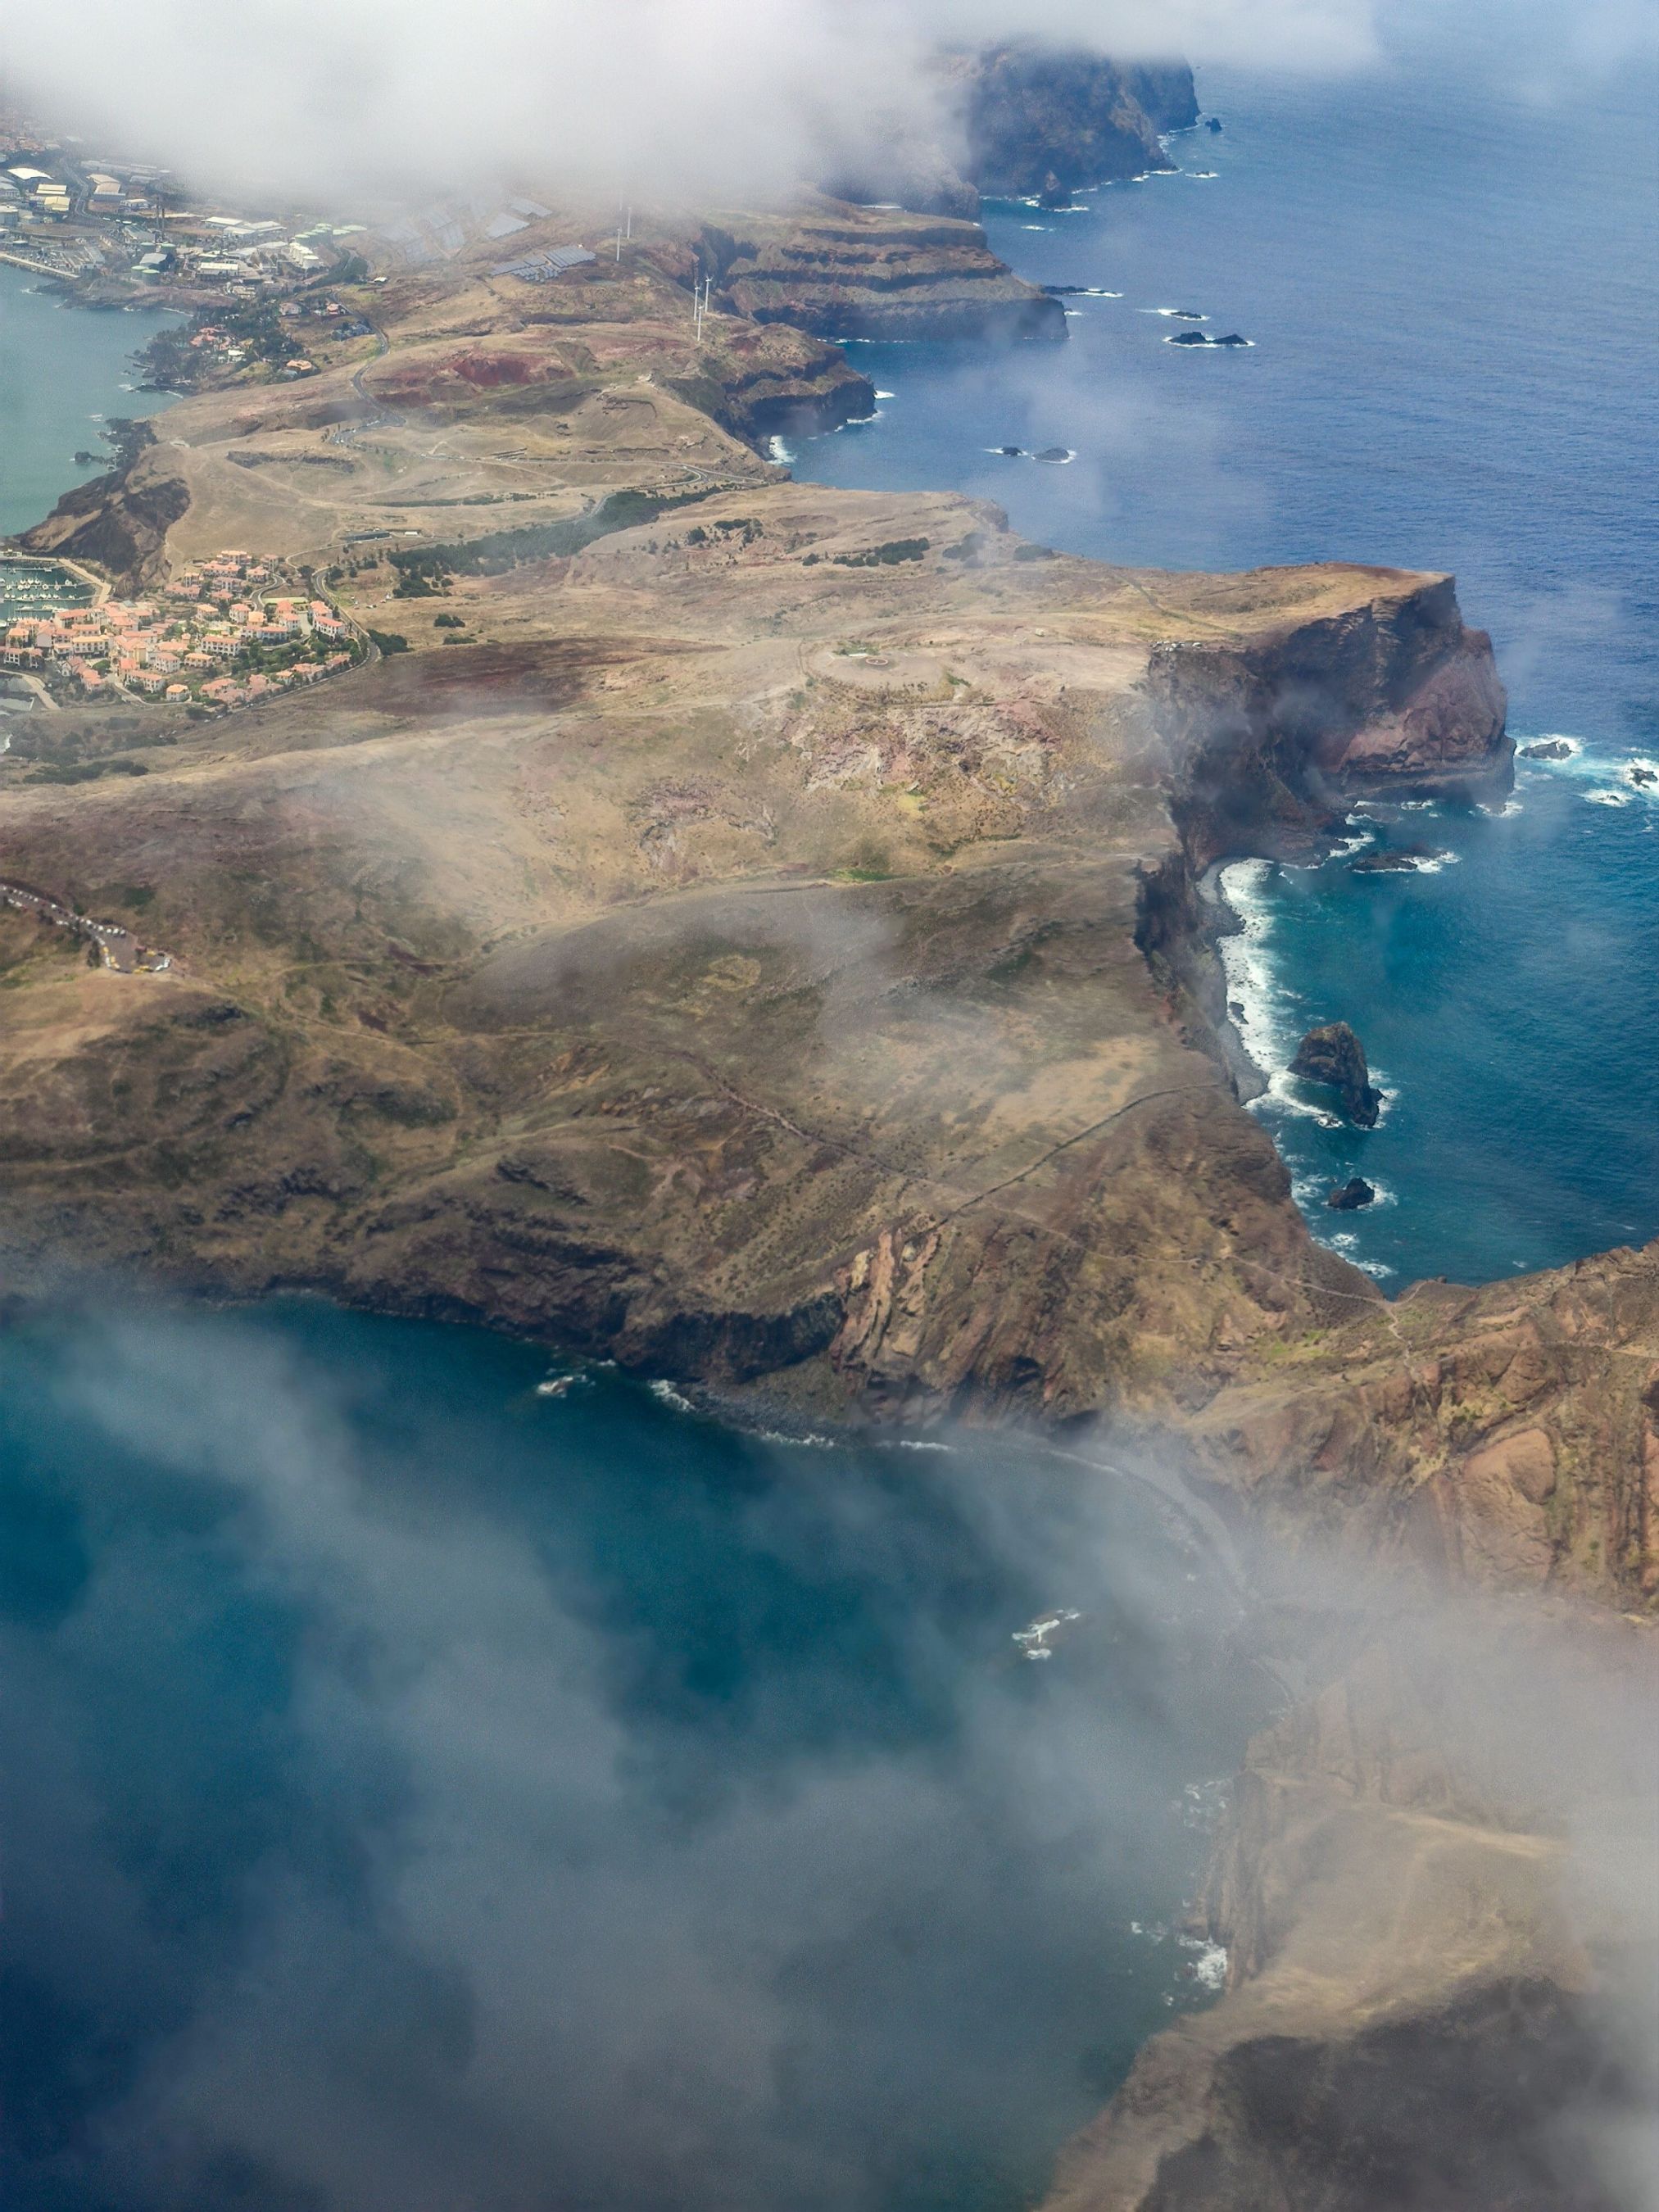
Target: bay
[{"x": 65, "y": 372}]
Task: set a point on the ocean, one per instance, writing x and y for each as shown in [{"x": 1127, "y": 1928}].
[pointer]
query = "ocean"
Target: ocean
[
  {"x": 430, "y": 1777},
  {"x": 64, "y": 374},
  {"x": 1453, "y": 320}
]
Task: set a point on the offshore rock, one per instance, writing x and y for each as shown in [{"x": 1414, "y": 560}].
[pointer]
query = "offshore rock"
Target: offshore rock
[
  {"x": 1352, "y": 1196},
  {"x": 1395, "y": 860},
  {"x": 1333, "y": 1055}
]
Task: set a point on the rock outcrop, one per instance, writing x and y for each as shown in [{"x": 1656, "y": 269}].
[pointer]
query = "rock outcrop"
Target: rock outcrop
[
  {"x": 1332, "y": 1056},
  {"x": 854, "y": 272},
  {"x": 1040, "y": 122},
  {"x": 1273, "y": 742},
  {"x": 1028, "y": 121},
  {"x": 1350, "y": 1196}
]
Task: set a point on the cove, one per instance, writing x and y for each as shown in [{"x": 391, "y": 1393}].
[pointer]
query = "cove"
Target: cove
[{"x": 65, "y": 374}]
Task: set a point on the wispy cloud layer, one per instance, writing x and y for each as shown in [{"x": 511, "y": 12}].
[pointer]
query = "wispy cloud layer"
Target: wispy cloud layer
[{"x": 643, "y": 96}]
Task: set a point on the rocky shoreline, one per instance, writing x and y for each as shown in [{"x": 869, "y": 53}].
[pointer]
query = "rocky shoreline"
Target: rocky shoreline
[{"x": 755, "y": 932}]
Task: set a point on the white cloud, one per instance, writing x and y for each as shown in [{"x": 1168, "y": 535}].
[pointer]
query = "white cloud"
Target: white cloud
[{"x": 638, "y": 94}]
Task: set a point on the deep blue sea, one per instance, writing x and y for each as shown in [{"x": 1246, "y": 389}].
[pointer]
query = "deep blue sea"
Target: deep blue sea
[
  {"x": 1452, "y": 302},
  {"x": 423, "y": 1792}
]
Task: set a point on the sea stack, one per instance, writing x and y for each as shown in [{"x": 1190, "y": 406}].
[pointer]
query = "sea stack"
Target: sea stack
[
  {"x": 1350, "y": 1196},
  {"x": 1332, "y": 1054}
]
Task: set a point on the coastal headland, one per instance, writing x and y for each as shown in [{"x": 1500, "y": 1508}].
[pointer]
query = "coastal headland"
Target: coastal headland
[{"x": 753, "y": 931}]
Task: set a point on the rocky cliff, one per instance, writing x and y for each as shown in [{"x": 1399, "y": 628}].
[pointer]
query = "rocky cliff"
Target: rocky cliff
[
  {"x": 1449, "y": 1508},
  {"x": 1041, "y": 122},
  {"x": 1271, "y": 742},
  {"x": 1024, "y": 121},
  {"x": 118, "y": 522},
  {"x": 854, "y": 272},
  {"x": 1434, "y": 1884}
]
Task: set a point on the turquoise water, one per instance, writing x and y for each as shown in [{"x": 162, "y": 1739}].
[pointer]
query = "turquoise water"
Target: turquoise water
[
  {"x": 1453, "y": 321},
  {"x": 63, "y": 373},
  {"x": 421, "y": 1792}
]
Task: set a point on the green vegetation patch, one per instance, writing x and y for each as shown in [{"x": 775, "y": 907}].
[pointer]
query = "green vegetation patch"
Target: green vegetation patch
[
  {"x": 502, "y": 550},
  {"x": 87, "y": 771},
  {"x": 883, "y": 556}
]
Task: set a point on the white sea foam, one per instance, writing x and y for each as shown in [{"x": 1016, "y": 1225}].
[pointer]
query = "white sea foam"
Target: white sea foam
[
  {"x": 1208, "y": 1967},
  {"x": 1420, "y": 805},
  {"x": 1610, "y": 796},
  {"x": 887, "y": 395},
  {"x": 668, "y": 1396},
  {"x": 778, "y": 452},
  {"x": 1176, "y": 315},
  {"x": 1347, "y": 1244},
  {"x": 811, "y": 1441},
  {"x": 1268, "y": 1024},
  {"x": 915, "y": 1444}
]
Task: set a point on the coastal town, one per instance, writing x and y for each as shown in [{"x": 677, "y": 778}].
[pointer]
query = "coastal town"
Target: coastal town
[
  {"x": 99, "y": 221},
  {"x": 224, "y": 634}
]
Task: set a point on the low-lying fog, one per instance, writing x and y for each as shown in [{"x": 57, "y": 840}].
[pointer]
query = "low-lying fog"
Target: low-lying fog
[{"x": 418, "y": 1794}]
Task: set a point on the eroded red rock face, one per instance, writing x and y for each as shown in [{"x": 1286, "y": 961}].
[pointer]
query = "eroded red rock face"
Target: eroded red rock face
[
  {"x": 1452, "y": 723},
  {"x": 1271, "y": 739}
]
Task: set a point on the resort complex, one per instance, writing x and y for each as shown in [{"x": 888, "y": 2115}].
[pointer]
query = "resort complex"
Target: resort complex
[{"x": 233, "y": 631}]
